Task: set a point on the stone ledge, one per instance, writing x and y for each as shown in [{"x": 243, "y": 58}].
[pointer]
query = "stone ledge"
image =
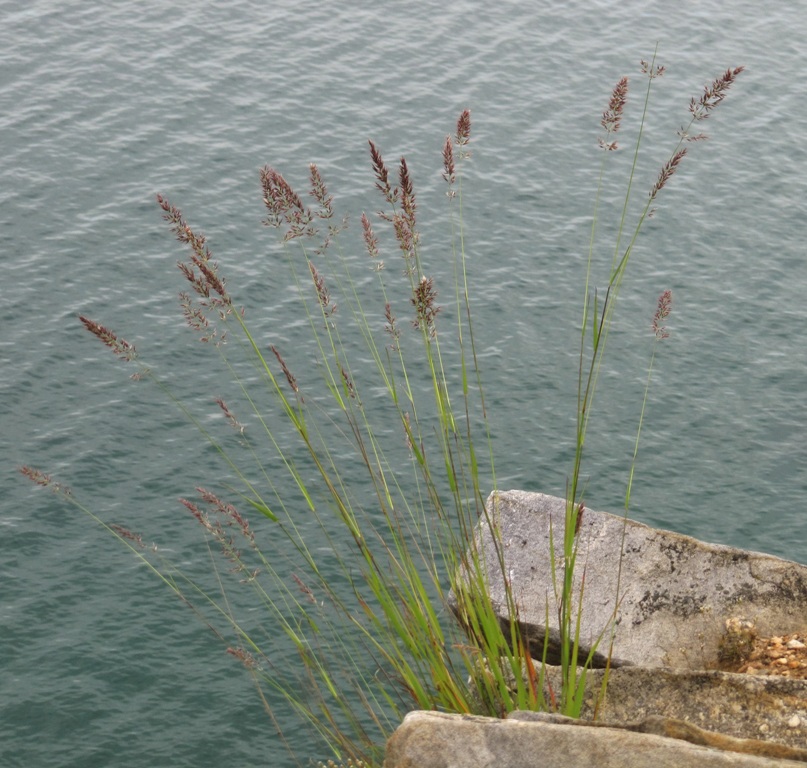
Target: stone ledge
[
  {"x": 675, "y": 592},
  {"x": 438, "y": 740},
  {"x": 772, "y": 709}
]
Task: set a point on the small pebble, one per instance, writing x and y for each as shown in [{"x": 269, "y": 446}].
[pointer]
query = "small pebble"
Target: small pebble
[
  {"x": 794, "y": 722},
  {"x": 796, "y": 644}
]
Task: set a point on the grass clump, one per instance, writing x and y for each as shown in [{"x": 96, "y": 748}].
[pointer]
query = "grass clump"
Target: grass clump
[
  {"x": 599, "y": 305},
  {"x": 365, "y": 457}
]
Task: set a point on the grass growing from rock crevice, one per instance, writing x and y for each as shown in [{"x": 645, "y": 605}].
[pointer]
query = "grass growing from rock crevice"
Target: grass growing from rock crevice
[
  {"x": 346, "y": 574},
  {"x": 599, "y": 305}
]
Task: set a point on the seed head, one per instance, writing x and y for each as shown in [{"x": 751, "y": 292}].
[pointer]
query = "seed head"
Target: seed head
[
  {"x": 234, "y": 423},
  {"x": 200, "y": 271},
  {"x": 286, "y": 372},
  {"x": 370, "y": 239},
  {"x": 404, "y": 235},
  {"x": 463, "y": 135},
  {"x": 382, "y": 175},
  {"x": 651, "y": 71},
  {"x": 448, "y": 161},
  {"x": 284, "y": 206},
  {"x": 320, "y": 193},
  {"x": 713, "y": 94},
  {"x": 125, "y": 533},
  {"x": 122, "y": 348},
  {"x": 425, "y": 309},
  {"x": 667, "y": 172},
  {"x": 323, "y": 294},
  {"x": 663, "y": 310},
  {"x": 612, "y": 117},
  {"x": 391, "y": 327},
  {"x": 407, "y": 194},
  {"x": 244, "y": 656},
  {"x": 37, "y": 476}
]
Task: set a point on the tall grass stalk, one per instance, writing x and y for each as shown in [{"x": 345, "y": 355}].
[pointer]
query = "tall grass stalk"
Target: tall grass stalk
[
  {"x": 369, "y": 468},
  {"x": 598, "y": 312}
]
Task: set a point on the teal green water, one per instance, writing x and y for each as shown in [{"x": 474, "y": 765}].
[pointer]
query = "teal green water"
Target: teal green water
[{"x": 104, "y": 104}]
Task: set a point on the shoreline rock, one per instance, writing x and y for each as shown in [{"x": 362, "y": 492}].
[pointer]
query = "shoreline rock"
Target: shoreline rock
[
  {"x": 675, "y": 592},
  {"x": 439, "y": 740},
  {"x": 676, "y": 610}
]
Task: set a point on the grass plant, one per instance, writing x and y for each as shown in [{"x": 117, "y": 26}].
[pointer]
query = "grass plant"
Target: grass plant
[
  {"x": 365, "y": 456},
  {"x": 598, "y": 313}
]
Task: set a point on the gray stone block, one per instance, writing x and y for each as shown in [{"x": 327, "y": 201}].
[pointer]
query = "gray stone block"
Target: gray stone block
[
  {"x": 438, "y": 740},
  {"x": 666, "y": 607}
]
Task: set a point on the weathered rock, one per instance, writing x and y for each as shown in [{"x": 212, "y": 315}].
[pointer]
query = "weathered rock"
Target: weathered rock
[
  {"x": 675, "y": 593},
  {"x": 437, "y": 740},
  {"x": 772, "y": 709}
]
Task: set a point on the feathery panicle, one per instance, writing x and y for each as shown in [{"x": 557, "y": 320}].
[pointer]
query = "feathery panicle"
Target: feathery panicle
[
  {"x": 320, "y": 193},
  {"x": 196, "y": 318},
  {"x": 662, "y": 313},
  {"x": 304, "y": 588},
  {"x": 226, "y": 517},
  {"x": 667, "y": 172},
  {"x": 206, "y": 282},
  {"x": 382, "y": 175},
  {"x": 122, "y": 348},
  {"x": 244, "y": 656},
  {"x": 41, "y": 478},
  {"x": 196, "y": 512},
  {"x": 286, "y": 372},
  {"x": 323, "y": 294},
  {"x": 407, "y": 194},
  {"x": 200, "y": 271},
  {"x": 371, "y": 241},
  {"x": 406, "y": 239},
  {"x": 200, "y": 286},
  {"x": 209, "y": 271},
  {"x": 37, "y": 476},
  {"x": 407, "y": 425},
  {"x": 278, "y": 196},
  {"x": 651, "y": 71},
  {"x": 234, "y": 423},
  {"x": 713, "y": 94},
  {"x": 183, "y": 232},
  {"x": 425, "y": 309},
  {"x": 325, "y": 210},
  {"x": 125, "y": 533},
  {"x": 46, "y": 481},
  {"x": 448, "y": 162},
  {"x": 463, "y": 135},
  {"x": 686, "y": 136},
  {"x": 284, "y": 206},
  {"x": 391, "y": 328},
  {"x": 349, "y": 387},
  {"x": 612, "y": 117},
  {"x": 227, "y": 511}
]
